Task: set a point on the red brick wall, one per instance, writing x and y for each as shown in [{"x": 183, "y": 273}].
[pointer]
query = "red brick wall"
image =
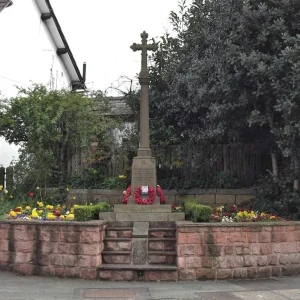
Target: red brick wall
[
  {"x": 246, "y": 250},
  {"x": 52, "y": 248}
]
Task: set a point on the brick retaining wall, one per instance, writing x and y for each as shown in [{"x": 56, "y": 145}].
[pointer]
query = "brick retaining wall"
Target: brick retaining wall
[
  {"x": 237, "y": 251},
  {"x": 61, "y": 249}
]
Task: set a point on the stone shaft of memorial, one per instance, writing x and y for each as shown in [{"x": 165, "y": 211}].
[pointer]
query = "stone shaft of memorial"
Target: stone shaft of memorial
[{"x": 144, "y": 79}]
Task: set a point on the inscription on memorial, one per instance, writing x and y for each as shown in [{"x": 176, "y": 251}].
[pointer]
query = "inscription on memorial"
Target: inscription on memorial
[{"x": 144, "y": 176}]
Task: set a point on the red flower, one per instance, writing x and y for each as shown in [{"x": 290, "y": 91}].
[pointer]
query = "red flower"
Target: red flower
[{"x": 31, "y": 194}]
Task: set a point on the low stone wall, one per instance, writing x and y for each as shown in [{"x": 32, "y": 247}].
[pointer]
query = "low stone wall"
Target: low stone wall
[
  {"x": 212, "y": 197},
  {"x": 237, "y": 251},
  {"x": 61, "y": 249}
]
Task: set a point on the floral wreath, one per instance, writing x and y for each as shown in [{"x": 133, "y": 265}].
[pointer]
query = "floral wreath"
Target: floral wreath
[
  {"x": 137, "y": 194},
  {"x": 161, "y": 195},
  {"x": 147, "y": 201}
]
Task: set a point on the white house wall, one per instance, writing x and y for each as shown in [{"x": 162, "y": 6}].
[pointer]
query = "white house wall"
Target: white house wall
[{"x": 27, "y": 42}]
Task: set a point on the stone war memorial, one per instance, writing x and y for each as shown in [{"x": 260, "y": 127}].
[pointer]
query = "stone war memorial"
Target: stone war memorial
[{"x": 143, "y": 203}]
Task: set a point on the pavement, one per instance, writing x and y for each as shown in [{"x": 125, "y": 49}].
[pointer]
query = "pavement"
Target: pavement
[{"x": 16, "y": 287}]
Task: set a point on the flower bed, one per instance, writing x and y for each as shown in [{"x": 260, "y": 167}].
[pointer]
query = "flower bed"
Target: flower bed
[{"x": 230, "y": 214}]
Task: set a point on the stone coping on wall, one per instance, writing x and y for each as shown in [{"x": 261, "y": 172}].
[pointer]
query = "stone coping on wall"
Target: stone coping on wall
[
  {"x": 55, "y": 223},
  {"x": 190, "y": 224}
]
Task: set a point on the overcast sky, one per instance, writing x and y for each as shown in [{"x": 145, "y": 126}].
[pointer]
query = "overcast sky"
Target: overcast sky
[{"x": 99, "y": 32}]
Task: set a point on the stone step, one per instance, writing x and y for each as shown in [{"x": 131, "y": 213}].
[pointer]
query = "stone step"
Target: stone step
[
  {"x": 161, "y": 245},
  {"x": 125, "y": 232},
  {"x": 158, "y": 225},
  {"x": 120, "y": 224},
  {"x": 134, "y": 208},
  {"x": 162, "y": 259},
  {"x": 162, "y": 232},
  {"x": 116, "y": 257},
  {"x": 117, "y": 244},
  {"x": 128, "y": 272}
]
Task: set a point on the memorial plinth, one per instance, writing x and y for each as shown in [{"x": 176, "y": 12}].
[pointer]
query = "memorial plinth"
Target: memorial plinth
[{"x": 143, "y": 213}]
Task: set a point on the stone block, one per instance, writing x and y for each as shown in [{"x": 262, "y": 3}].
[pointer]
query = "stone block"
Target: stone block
[
  {"x": 225, "y": 199},
  {"x": 123, "y": 275},
  {"x": 26, "y": 269},
  {"x": 105, "y": 274},
  {"x": 239, "y": 199},
  {"x": 262, "y": 260},
  {"x": 240, "y": 273},
  {"x": 193, "y": 262},
  {"x": 90, "y": 249},
  {"x": 139, "y": 253},
  {"x": 224, "y": 274},
  {"x": 264, "y": 272},
  {"x": 264, "y": 237},
  {"x": 108, "y": 216},
  {"x": 206, "y": 199},
  {"x": 236, "y": 237},
  {"x": 173, "y": 217},
  {"x": 154, "y": 208},
  {"x": 89, "y": 237},
  {"x": 88, "y": 273},
  {"x": 140, "y": 229},
  {"x": 205, "y": 274},
  {"x": 187, "y": 250},
  {"x": 194, "y": 238},
  {"x": 266, "y": 249},
  {"x": 24, "y": 246},
  {"x": 184, "y": 274},
  {"x": 279, "y": 237}
]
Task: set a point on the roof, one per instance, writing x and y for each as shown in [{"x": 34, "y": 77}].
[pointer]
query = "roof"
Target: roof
[
  {"x": 4, "y": 4},
  {"x": 63, "y": 50}
]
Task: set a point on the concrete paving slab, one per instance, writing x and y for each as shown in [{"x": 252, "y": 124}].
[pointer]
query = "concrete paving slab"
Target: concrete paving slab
[
  {"x": 260, "y": 295},
  {"x": 268, "y": 284},
  {"x": 293, "y": 294},
  {"x": 216, "y": 296}
]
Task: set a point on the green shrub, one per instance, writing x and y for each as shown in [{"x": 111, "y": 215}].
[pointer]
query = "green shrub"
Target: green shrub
[
  {"x": 90, "y": 212},
  {"x": 197, "y": 212}
]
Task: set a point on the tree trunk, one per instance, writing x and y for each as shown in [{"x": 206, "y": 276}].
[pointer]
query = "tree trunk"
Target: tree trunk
[
  {"x": 274, "y": 164},
  {"x": 269, "y": 115}
]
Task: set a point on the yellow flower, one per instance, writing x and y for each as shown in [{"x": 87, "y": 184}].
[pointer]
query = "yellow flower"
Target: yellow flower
[
  {"x": 27, "y": 207},
  {"x": 13, "y": 214},
  {"x": 11, "y": 196},
  {"x": 70, "y": 217},
  {"x": 5, "y": 191},
  {"x": 49, "y": 207},
  {"x": 67, "y": 189},
  {"x": 72, "y": 210},
  {"x": 122, "y": 176},
  {"x": 262, "y": 214},
  {"x": 34, "y": 214},
  {"x": 40, "y": 212},
  {"x": 272, "y": 217},
  {"x": 74, "y": 197},
  {"x": 62, "y": 217},
  {"x": 40, "y": 204},
  {"x": 51, "y": 216},
  {"x": 37, "y": 187},
  {"x": 1, "y": 187}
]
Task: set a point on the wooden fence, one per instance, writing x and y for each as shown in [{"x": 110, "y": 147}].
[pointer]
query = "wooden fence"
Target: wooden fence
[{"x": 245, "y": 162}]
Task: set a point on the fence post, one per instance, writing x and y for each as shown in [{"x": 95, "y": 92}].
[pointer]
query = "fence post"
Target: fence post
[
  {"x": 10, "y": 178},
  {"x": 2, "y": 176}
]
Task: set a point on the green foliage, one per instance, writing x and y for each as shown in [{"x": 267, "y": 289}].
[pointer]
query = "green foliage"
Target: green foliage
[
  {"x": 276, "y": 195},
  {"x": 90, "y": 212},
  {"x": 50, "y": 126},
  {"x": 197, "y": 212}
]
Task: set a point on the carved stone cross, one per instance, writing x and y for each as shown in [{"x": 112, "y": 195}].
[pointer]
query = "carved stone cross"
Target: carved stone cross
[{"x": 144, "y": 47}]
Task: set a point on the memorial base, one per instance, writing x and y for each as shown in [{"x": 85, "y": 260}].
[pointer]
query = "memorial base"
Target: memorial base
[{"x": 143, "y": 174}]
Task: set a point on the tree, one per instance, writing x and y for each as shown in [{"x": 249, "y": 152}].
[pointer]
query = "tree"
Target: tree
[
  {"x": 234, "y": 75},
  {"x": 50, "y": 126}
]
